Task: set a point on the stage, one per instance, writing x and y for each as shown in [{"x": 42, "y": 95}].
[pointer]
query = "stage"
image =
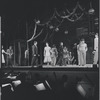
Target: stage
[{"x": 56, "y": 66}]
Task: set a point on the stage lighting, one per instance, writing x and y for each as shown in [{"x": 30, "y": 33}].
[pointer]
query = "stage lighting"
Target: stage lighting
[
  {"x": 11, "y": 77},
  {"x": 16, "y": 83},
  {"x": 81, "y": 90},
  {"x": 7, "y": 85},
  {"x": 85, "y": 89},
  {"x": 41, "y": 86}
]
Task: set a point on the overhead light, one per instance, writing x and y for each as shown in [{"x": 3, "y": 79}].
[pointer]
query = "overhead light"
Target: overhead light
[{"x": 85, "y": 89}]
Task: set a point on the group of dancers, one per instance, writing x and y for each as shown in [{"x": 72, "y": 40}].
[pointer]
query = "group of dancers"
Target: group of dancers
[
  {"x": 52, "y": 55},
  {"x": 56, "y": 56},
  {"x": 62, "y": 56},
  {"x": 9, "y": 57}
]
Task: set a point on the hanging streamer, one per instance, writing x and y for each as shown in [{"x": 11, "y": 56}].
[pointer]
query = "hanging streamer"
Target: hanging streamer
[
  {"x": 38, "y": 34},
  {"x": 46, "y": 37},
  {"x": 33, "y": 34}
]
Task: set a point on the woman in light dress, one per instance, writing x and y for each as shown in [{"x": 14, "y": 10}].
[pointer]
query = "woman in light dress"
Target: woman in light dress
[
  {"x": 3, "y": 58},
  {"x": 47, "y": 54}
]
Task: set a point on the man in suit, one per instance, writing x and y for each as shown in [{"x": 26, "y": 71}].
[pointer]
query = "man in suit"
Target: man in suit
[
  {"x": 60, "y": 54},
  {"x": 34, "y": 61}
]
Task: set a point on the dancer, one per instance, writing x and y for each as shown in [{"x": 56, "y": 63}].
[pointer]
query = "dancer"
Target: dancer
[
  {"x": 10, "y": 57},
  {"x": 34, "y": 62},
  {"x": 47, "y": 54},
  {"x": 95, "y": 52},
  {"x": 3, "y": 58},
  {"x": 54, "y": 55},
  {"x": 71, "y": 58},
  {"x": 75, "y": 55},
  {"x": 60, "y": 54},
  {"x": 65, "y": 56},
  {"x": 82, "y": 48},
  {"x": 26, "y": 56}
]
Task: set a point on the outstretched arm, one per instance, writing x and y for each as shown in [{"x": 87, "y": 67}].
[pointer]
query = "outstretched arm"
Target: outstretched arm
[{"x": 5, "y": 52}]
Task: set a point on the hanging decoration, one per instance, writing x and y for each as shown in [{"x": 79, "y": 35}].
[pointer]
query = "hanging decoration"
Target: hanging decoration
[
  {"x": 91, "y": 10},
  {"x": 33, "y": 34},
  {"x": 38, "y": 34},
  {"x": 70, "y": 16},
  {"x": 57, "y": 29},
  {"x": 51, "y": 27},
  {"x": 66, "y": 32}
]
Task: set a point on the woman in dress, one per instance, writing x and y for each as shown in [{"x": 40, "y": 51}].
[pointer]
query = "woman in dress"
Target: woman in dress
[
  {"x": 3, "y": 58},
  {"x": 47, "y": 54}
]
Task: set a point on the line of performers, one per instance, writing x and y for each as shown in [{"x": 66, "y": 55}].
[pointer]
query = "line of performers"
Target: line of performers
[
  {"x": 9, "y": 57},
  {"x": 53, "y": 56},
  {"x": 62, "y": 56}
]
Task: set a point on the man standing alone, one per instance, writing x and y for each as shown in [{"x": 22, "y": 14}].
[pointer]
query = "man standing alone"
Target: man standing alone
[
  {"x": 34, "y": 61},
  {"x": 60, "y": 54},
  {"x": 95, "y": 52}
]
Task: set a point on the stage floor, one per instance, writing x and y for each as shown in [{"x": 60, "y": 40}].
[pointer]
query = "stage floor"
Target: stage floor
[{"x": 57, "y": 66}]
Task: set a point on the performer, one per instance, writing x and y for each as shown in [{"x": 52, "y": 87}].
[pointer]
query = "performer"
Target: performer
[
  {"x": 47, "y": 54},
  {"x": 54, "y": 55},
  {"x": 82, "y": 48},
  {"x": 10, "y": 57},
  {"x": 75, "y": 60},
  {"x": 95, "y": 52},
  {"x": 3, "y": 58},
  {"x": 34, "y": 61},
  {"x": 71, "y": 58},
  {"x": 65, "y": 56},
  {"x": 26, "y": 56},
  {"x": 60, "y": 54}
]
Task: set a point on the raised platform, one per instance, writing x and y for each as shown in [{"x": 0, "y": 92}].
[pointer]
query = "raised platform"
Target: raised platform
[
  {"x": 88, "y": 67},
  {"x": 56, "y": 66}
]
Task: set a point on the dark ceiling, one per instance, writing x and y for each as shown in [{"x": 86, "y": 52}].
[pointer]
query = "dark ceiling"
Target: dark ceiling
[
  {"x": 18, "y": 11},
  {"x": 39, "y": 7}
]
